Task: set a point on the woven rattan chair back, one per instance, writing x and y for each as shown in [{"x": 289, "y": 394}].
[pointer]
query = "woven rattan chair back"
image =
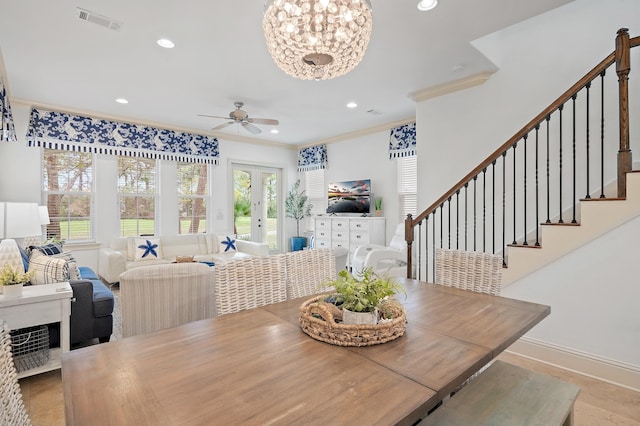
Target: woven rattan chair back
[
  {"x": 308, "y": 271},
  {"x": 469, "y": 270},
  {"x": 249, "y": 283},
  {"x": 12, "y": 411}
]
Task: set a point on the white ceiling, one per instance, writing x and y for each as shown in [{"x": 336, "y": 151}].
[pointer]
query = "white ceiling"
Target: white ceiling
[{"x": 54, "y": 59}]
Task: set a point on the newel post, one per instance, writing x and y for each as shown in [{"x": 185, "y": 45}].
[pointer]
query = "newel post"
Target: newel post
[
  {"x": 622, "y": 69},
  {"x": 408, "y": 237}
]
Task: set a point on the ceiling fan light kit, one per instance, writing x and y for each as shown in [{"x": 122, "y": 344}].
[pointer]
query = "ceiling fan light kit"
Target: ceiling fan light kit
[
  {"x": 241, "y": 117},
  {"x": 424, "y": 5},
  {"x": 317, "y": 39}
]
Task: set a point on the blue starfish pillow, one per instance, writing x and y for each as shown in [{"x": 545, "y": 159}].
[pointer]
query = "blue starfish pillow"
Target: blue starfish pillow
[
  {"x": 148, "y": 249},
  {"x": 227, "y": 244}
]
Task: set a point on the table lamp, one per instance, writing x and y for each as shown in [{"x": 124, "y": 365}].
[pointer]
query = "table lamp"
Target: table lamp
[{"x": 18, "y": 220}]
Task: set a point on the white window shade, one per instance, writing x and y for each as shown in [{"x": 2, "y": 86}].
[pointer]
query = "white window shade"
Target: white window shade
[
  {"x": 407, "y": 185},
  {"x": 316, "y": 190}
]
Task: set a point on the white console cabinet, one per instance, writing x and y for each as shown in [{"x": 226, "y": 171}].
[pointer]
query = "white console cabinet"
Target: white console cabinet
[{"x": 348, "y": 232}]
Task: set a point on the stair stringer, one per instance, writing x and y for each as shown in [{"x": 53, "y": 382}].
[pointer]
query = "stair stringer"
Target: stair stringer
[{"x": 597, "y": 217}]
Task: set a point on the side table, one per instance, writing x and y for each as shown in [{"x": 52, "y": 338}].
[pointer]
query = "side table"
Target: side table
[{"x": 41, "y": 304}]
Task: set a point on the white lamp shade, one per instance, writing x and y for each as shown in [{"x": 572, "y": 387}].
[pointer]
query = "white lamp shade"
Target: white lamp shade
[
  {"x": 21, "y": 220},
  {"x": 2, "y": 220},
  {"x": 44, "y": 215}
]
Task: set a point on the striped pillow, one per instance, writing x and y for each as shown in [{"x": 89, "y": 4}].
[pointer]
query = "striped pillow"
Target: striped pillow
[
  {"x": 48, "y": 249},
  {"x": 74, "y": 271},
  {"x": 47, "y": 269}
]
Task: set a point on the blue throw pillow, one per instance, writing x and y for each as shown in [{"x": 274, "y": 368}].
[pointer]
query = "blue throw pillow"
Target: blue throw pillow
[
  {"x": 25, "y": 258},
  {"x": 228, "y": 244}
]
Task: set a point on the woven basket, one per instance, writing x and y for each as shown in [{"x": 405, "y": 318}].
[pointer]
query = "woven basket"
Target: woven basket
[{"x": 317, "y": 319}]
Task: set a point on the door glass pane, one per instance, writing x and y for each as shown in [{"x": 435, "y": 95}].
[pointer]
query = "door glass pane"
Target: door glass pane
[
  {"x": 270, "y": 203},
  {"x": 242, "y": 203},
  {"x": 256, "y": 205}
]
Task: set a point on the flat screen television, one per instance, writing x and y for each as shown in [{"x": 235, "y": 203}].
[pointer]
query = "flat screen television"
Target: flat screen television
[{"x": 352, "y": 196}]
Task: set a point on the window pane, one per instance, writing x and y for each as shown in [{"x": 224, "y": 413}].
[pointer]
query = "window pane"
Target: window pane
[
  {"x": 137, "y": 189},
  {"x": 193, "y": 215},
  {"x": 192, "y": 197},
  {"x": 68, "y": 190}
]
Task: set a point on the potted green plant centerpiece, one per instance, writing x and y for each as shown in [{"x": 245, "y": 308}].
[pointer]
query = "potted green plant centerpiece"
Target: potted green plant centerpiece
[
  {"x": 297, "y": 207},
  {"x": 361, "y": 300},
  {"x": 12, "y": 280}
]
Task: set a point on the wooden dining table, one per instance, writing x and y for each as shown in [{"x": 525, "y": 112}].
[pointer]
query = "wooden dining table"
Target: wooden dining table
[{"x": 257, "y": 367}]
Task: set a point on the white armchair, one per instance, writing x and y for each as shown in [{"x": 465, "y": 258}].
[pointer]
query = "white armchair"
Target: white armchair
[{"x": 390, "y": 260}]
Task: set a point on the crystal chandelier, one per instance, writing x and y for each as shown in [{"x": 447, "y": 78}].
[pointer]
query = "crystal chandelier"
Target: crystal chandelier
[{"x": 317, "y": 39}]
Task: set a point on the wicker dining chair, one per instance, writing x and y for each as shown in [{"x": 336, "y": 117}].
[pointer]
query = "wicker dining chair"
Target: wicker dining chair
[
  {"x": 469, "y": 270},
  {"x": 249, "y": 283},
  {"x": 308, "y": 271},
  {"x": 12, "y": 410}
]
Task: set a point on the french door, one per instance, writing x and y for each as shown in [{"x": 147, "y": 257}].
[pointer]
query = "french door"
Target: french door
[{"x": 256, "y": 204}]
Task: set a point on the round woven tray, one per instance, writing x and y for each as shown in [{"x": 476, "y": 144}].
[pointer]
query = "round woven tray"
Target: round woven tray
[{"x": 317, "y": 319}]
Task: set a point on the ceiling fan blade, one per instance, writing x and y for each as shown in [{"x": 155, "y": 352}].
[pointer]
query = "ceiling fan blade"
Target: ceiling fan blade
[
  {"x": 269, "y": 121},
  {"x": 223, "y": 125},
  {"x": 250, "y": 127},
  {"x": 212, "y": 116}
]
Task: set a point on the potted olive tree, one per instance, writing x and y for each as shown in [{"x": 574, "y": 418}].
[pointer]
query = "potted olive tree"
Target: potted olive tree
[{"x": 297, "y": 207}]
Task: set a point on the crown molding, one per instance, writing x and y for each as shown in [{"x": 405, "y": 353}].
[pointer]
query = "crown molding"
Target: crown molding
[
  {"x": 358, "y": 133},
  {"x": 219, "y": 136},
  {"x": 451, "y": 87}
]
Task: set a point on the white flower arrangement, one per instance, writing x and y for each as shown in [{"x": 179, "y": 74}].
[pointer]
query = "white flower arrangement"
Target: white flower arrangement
[{"x": 11, "y": 276}]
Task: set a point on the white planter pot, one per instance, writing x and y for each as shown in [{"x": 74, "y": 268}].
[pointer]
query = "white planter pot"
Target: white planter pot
[
  {"x": 349, "y": 317},
  {"x": 12, "y": 290}
]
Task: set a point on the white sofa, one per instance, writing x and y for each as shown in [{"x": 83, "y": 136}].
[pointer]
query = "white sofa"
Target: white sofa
[
  {"x": 164, "y": 296},
  {"x": 120, "y": 255}
]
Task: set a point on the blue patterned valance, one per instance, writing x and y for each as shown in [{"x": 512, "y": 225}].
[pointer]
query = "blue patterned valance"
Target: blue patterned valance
[
  {"x": 59, "y": 130},
  {"x": 7, "y": 129},
  {"x": 402, "y": 141},
  {"x": 312, "y": 158}
]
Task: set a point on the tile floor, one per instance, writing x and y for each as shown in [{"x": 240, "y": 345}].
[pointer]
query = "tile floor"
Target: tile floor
[{"x": 599, "y": 403}]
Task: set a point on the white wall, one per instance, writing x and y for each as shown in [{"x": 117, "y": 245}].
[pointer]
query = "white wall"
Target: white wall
[
  {"x": 539, "y": 59},
  {"x": 367, "y": 157},
  {"x": 592, "y": 291}
]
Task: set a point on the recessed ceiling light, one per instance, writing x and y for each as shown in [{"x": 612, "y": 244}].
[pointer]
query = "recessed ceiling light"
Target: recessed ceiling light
[
  {"x": 275, "y": 131},
  {"x": 122, "y": 101},
  {"x": 424, "y": 5},
  {"x": 166, "y": 43},
  {"x": 352, "y": 105}
]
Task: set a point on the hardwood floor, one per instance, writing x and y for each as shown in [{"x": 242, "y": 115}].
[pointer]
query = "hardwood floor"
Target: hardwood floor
[{"x": 598, "y": 404}]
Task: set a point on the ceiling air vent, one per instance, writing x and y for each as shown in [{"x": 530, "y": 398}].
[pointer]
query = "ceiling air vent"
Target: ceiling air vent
[{"x": 101, "y": 20}]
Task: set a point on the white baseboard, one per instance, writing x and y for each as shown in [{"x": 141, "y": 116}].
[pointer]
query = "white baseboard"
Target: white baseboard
[{"x": 608, "y": 370}]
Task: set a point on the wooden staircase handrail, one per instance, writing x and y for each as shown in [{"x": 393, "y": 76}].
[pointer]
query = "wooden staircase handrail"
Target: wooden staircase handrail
[
  {"x": 622, "y": 42},
  {"x": 597, "y": 70}
]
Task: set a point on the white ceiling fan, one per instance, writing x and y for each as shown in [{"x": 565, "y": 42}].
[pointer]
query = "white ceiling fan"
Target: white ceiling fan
[{"x": 241, "y": 117}]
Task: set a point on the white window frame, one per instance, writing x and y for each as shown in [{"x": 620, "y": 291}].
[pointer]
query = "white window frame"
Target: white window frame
[{"x": 69, "y": 194}]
